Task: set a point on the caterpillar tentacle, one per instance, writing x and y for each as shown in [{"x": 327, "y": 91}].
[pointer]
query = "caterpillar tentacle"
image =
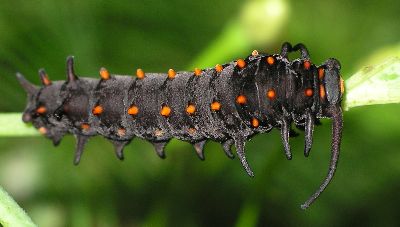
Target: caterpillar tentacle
[
  {"x": 228, "y": 103},
  {"x": 337, "y": 125}
]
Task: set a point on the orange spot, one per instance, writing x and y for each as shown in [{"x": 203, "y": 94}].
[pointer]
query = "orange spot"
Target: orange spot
[
  {"x": 191, "y": 109},
  {"x": 241, "y": 99},
  {"x": 197, "y": 71},
  {"x": 133, "y": 110},
  {"x": 270, "y": 60},
  {"x": 158, "y": 132},
  {"x": 104, "y": 74},
  {"x": 322, "y": 91},
  {"x": 255, "y": 123},
  {"x": 191, "y": 130},
  {"x": 309, "y": 92},
  {"x": 321, "y": 73},
  {"x": 140, "y": 73},
  {"x": 46, "y": 81},
  {"x": 271, "y": 94},
  {"x": 341, "y": 85},
  {"x": 97, "y": 110},
  {"x": 240, "y": 63},
  {"x": 85, "y": 126},
  {"x": 41, "y": 110},
  {"x": 165, "y": 111},
  {"x": 121, "y": 132},
  {"x": 42, "y": 130},
  {"x": 215, "y": 106},
  {"x": 254, "y": 53},
  {"x": 307, "y": 65},
  {"x": 219, "y": 68},
  {"x": 171, "y": 73}
]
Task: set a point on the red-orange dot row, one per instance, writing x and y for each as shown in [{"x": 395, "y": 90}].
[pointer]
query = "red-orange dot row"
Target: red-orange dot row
[
  {"x": 171, "y": 74},
  {"x": 140, "y": 74},
  {"x": 307, "y": 65},
  {"x": 321, "y": 73},
  {"x": 97, "y": 110},
  {"x": 270, "y": 60},
  {"x": 104, "y": 74},
  {"x": 341, "y": 85},
  {"x": 271, "y": 94},
  {"x": 241, "y": 100},
  {"x": 255, "y": 123},
  {"x": 41, "y": 110},
  {"x": 215, "y": 106},
  {"x": 219, "y": 68},
  {"x": 165, "y": 111},
  {"x": 45, "y": 79},
  {"x": 197, "y": 71},
  {"x": 191, "y": 109},
  {"x": 309, "y": 92},
  {"x": 240, "y": 63}
]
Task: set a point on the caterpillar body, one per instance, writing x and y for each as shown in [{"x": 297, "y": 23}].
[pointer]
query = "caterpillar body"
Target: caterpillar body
[{"x": 229, "y": 104}]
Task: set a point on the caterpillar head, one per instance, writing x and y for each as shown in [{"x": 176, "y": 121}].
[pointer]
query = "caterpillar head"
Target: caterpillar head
[
  {"x": 332, "y": 82},
  {"x": 42, "y": 103}
]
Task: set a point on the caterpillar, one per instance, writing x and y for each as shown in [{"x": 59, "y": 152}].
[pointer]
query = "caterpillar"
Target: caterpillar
[{"x": 228, "y": 103}]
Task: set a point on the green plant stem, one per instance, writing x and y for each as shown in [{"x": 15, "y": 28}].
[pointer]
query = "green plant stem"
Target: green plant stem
[{"x": 10, "y": 213}]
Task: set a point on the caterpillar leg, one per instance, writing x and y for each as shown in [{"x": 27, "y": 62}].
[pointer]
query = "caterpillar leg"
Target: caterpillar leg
[
  {"x": 286, "y": 49},
  {"x": 80, "y": 144},
  {"x": 119, "y": 148},
  {"x": 159, "y": 147},
  {"x": 227, "y": 148},
  {"x": 303, "y": 50},
  {"x": 199, "y": 147},
  {"x": 285, "y": 130},
  {"x": 337, "y": 126},
  {"x": 240, "y": 143},
  {"x": 308, "y": 133}
]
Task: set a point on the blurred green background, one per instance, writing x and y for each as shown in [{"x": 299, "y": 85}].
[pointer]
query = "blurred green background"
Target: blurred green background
[{"x": 144, "y": 190}]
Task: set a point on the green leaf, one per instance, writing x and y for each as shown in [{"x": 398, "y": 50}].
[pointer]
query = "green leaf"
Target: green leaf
[
  {"x": 373, "y": 85},
  {"x": 11, "y": 214}
]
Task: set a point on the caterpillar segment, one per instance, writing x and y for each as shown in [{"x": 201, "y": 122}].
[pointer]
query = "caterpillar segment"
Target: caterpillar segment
[{"x": 228, "y": 103}]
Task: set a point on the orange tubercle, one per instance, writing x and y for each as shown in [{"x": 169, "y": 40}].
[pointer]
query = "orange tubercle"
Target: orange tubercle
[
  {"x": 322, "y": 93},
  {"x": 104, "y": 74},
  {"x": 197, "y": 71},
  {"x": 321, "y": 73},
  {"x": 270, "y": 60},
  {"x": 191, "y": 130},
  {"x": 85, "y": 126},
  {"x": 97, "y": 110},
  {"x": 255, "y": 123},
  {"x": 133, "y": 110},
  {"x": 309, "y": 92},
  {"x": 46, "y": 80},
  {"x": 219, "y": 68},
  {"x": 42, "y": 130},
  {"x": 165, "y": 111},
  {"x": 271, "y": 94},
  {"x": 41, "y": 110},
  {"x": 191, "y": 109},
  {"x": 140, "y": 73},
  {"x": 241, "y": 99},
  {"x": 307, "y": 65},
  {"x": 341, "y": 85},
  {"x": 171, "y": 73},
  {"x": 215, "y": 106},
  {"x": 121, "y": 132},
  {"x": 241, "y": 63}
]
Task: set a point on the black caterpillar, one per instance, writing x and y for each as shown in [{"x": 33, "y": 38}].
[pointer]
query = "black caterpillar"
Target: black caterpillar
[{"x": 229, "y": 103}]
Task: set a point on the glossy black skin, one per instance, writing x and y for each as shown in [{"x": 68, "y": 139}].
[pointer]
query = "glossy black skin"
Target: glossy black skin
[{"x": 69, "y": 104}]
